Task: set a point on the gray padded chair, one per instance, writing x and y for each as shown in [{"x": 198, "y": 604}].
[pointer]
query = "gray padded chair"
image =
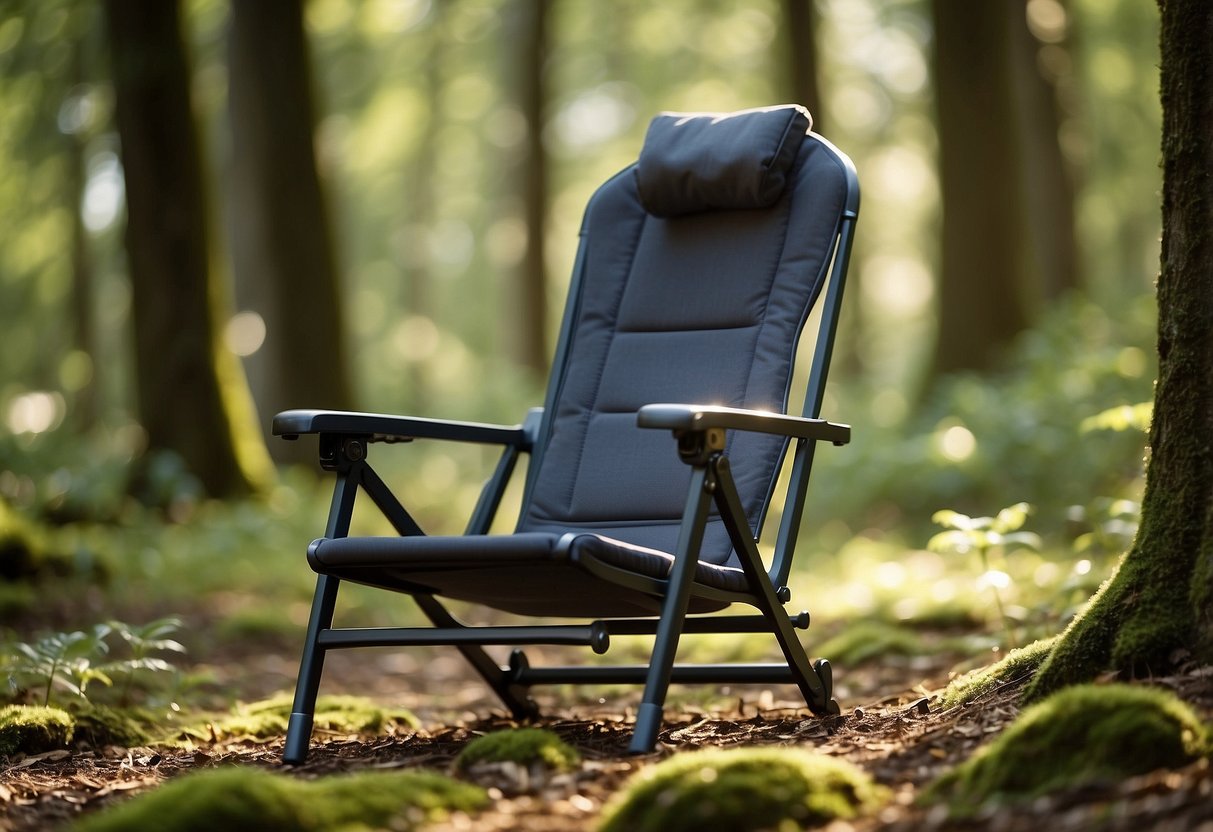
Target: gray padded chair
[{"x": 697, "y": 269}]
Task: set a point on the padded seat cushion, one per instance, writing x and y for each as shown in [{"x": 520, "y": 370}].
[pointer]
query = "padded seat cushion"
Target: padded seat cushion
[
  {"x": 694, "y": 162},
  {"x": 526, "y": 573}
]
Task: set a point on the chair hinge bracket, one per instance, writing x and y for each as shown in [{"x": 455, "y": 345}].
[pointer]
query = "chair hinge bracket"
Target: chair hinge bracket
[
  {"x": 696, "y": 447},
  {"x": 338, "y": 452}
]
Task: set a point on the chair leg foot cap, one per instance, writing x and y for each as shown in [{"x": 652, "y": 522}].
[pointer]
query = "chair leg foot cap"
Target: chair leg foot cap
[
  {"x": 648, "y": 723},
  {"x": 298, "y": 737}
]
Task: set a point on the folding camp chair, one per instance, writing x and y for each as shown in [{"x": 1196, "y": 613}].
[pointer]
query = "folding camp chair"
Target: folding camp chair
[{"x": 696, "y": 273}]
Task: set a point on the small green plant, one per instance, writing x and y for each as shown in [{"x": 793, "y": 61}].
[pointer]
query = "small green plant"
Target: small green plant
[
  {"x": 986, "y": 535},
  {"x": 1112, "y": 524},
  {"x": 71, "y": 661},
  {"x": 142, "y": 641},
  {"x": 64, "y": 660}
]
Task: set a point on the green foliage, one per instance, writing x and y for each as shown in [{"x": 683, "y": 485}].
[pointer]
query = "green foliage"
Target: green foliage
[
  {"x": 64, "y": 660},
  {"x": 34, "y": 729},
  {"x": 741, "y": 790},
  {"x": 520, "y": 745},
  {"x": 141, "y": 642},
  {"x": 98, "y": 726},
  {"x": 1112, "y": 524},
  {"x": 1084, "y": 734},
  {"x": 974, "y": 440},
  {"x": 985, "y": 535},
  {"x": 241, "y": 799},
  {"x": 1014, "y": 668},
  {"x": 72, "y": 660}
]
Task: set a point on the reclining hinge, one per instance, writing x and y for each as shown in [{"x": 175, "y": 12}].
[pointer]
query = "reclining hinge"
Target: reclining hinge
[
  {"x": 337, "y": 451},
  {"x": 695, "y": 447}
]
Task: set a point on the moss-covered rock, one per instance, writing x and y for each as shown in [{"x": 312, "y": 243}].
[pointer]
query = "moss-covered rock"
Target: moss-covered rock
[
  {"x": 1083, "y": 734},
  {"x": 34, "y": 729},
  {"x": 268, "y": 718},
  {"x": 243, "y": 799},
  {"x": 1016, "y": 666},
  {"x": 524, "y": 746},
  {"x": 741, "y": 790},
  {"x": 98, "y": 726}
]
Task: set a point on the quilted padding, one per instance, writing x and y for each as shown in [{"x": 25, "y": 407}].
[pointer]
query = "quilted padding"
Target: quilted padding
[{"x": 703, "y": 308}]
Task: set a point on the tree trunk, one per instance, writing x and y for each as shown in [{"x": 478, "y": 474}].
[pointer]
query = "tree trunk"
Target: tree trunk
[
  {"x": 800, "y": 26},
  {"x": 180, "y": 383},
  {"x": 284, "y": 258},
  {"x": 1156, "y": 610},
  {"x": 530, "y": 55},
  {"x": 1047, "y": 179},
  {"x": 982, "y": 269}
]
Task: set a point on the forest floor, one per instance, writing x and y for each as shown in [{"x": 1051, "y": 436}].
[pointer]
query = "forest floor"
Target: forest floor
[{"x": 890, "y": 727}]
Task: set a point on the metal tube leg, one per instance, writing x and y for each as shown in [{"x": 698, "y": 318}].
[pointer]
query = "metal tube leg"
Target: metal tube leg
[
  {"x": 303, "y": 710},
  {"x": 673, "y": 612}
]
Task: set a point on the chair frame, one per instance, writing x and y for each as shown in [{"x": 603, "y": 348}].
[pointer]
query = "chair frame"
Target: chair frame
[{"x": 700, "y": 433}]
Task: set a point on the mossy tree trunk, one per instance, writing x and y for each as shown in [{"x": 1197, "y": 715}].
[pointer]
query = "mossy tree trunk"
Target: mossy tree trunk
[
  {"x": 188, "y": 397},
  {"x": 1157, "y": 608}
]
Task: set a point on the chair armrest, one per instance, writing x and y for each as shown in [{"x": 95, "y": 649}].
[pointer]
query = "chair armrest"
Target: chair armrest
[
  {"x": 697, "y": 418},
  {"x": 381, "y": 427}
]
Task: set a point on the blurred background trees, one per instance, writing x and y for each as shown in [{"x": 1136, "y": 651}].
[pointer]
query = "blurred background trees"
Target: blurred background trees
[{"x": 389, "y": 193}]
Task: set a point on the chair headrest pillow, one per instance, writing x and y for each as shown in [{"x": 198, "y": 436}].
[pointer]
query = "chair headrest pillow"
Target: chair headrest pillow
[{"x": 693, "y": 162}]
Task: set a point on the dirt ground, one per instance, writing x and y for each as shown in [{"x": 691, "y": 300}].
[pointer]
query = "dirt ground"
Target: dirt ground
[{"x": 902, "y": 739}]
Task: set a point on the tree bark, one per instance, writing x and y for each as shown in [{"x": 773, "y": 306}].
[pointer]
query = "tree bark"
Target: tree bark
[
  {"x": 800, "y": 26},
  {"x": 284, "y": 255},
  {"x": 1156, "y": 609},
  {"x": 180, "y": 383},
  {"x": 981, "y": 298},
  {"x": 531, "y": 55},
  {"x": 1047, "y": 178}
]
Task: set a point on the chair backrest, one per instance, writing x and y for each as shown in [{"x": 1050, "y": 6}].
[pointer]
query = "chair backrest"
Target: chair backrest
[{"x": 697, "y": 269}]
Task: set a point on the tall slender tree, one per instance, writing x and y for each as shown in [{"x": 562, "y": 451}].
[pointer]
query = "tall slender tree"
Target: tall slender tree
[
  {"x": 530, "y": 54},
  {"x": 1158, "y": 607},
  {"x": 801, "y": 61},
  {"x": 186, "y": 398},
  {"x": 284, "y": 255},
  {"x": 981, "y": 292},
  {"x": 1008, "y": 226}
]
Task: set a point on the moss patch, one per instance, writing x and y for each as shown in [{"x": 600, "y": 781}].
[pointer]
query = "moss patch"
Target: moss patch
[
  {"x": 1083, "y": 734},
  {"x": 1017, "y": 665},
  {"x": 242, "y": 799},
  {"x": 34, "y": 729},
  {"x": 97, "y": 726},
  {"x": 868, "y": 640},
  {"x": 741, "y": 790},
  {"x": 268, "y": 718},
  {"x": 521, "y": 745}
]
